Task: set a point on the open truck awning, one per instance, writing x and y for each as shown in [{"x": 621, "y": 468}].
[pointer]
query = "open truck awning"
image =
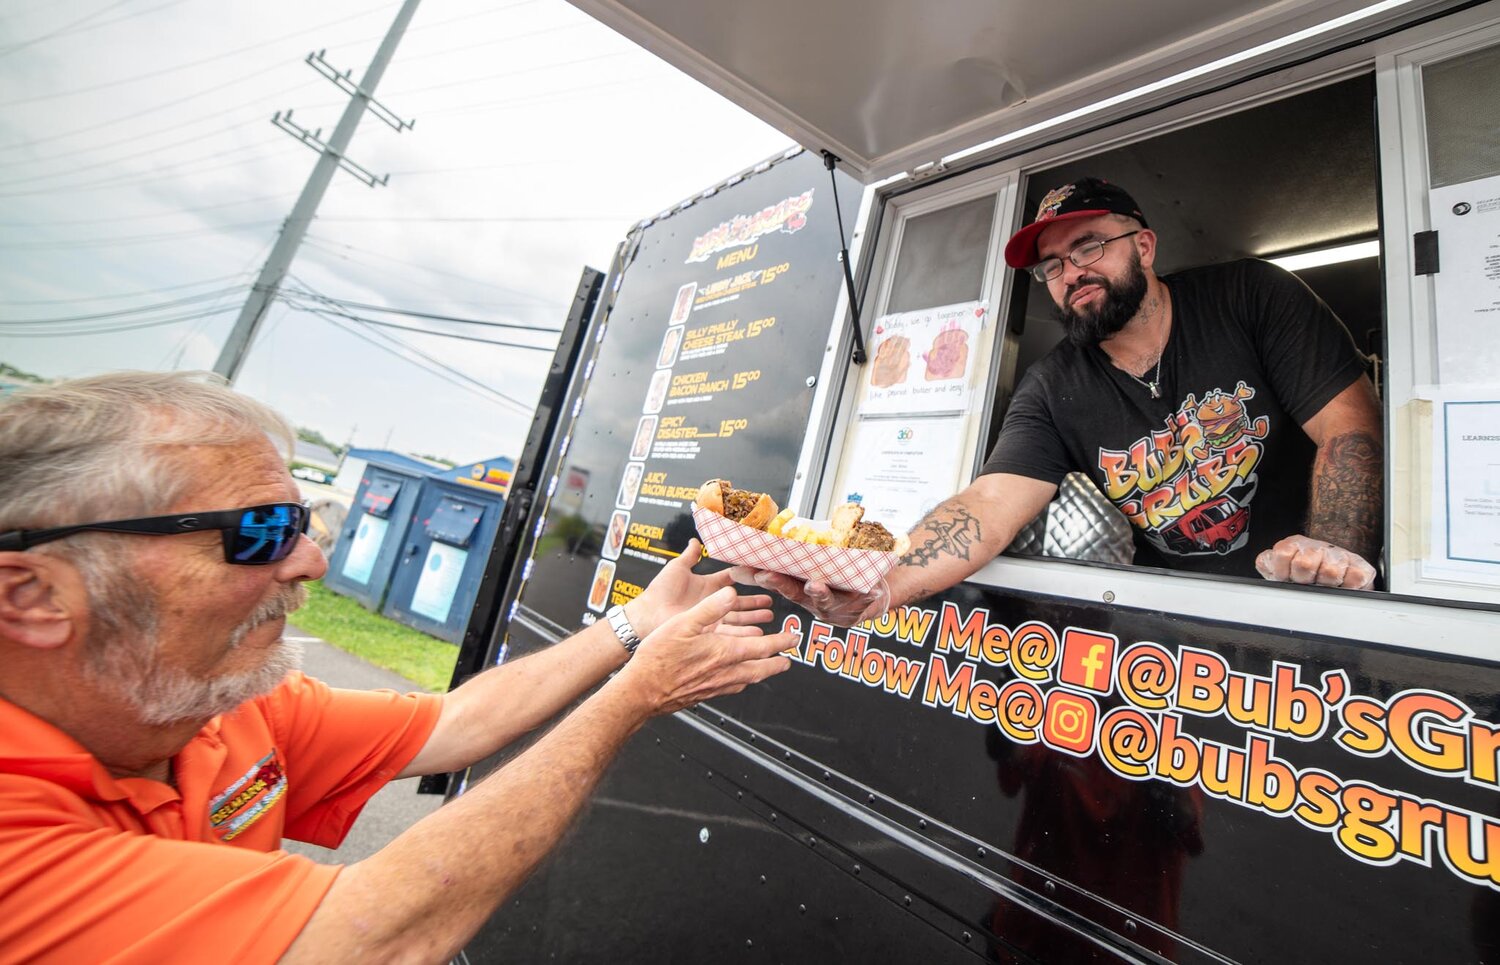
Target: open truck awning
[{"x": 890, "y": 85}]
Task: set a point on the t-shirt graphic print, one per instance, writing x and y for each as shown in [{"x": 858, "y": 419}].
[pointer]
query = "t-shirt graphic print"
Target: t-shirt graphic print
[{"x": 1188, "y": 486}]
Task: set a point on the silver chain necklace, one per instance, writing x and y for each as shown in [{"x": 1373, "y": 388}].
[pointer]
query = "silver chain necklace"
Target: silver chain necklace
[{"x": 1154, "y": 386}]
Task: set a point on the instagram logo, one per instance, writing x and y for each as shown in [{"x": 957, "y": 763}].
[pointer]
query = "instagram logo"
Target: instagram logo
[
  {"x": 1088, "y": 660},
  {"x": 1069, "y": 722}
]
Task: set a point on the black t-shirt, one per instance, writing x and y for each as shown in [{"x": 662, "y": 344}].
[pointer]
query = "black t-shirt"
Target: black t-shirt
[{"x": 1218, "y": 468}]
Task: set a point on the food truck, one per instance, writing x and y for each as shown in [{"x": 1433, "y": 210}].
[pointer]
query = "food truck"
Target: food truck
[{"x": 1066, "y": 757}]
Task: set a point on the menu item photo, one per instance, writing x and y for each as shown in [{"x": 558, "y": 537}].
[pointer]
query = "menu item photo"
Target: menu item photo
[
  {"x": 656, "y": 395},
  {"x": 644, "y": 431},
  {"x": 683, "y": 305},
  {"x": 614, "y": 535},
  {"x": 630, "y": 485},
  {"x": 604, "y": 577},
  {"x": 670, "y": 343}
]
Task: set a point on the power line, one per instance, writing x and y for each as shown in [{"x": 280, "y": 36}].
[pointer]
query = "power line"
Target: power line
[
  {"x": 513, "y": 73},
  {"x": 137, "y": 137},
  {"x": 180, "y": 345},
  {"x": 6, "y": 51},
  {"x": 114, "y": 329},
  {"x": 193, "y": 63},
  {"x": 440, "y": 219},
  {"x": 528, "y": 100},
  {"x": 134, "y": 294},
  {"x": 109, "y": 162},
  {"x": 346, "y": 303},
  {"x": 132, "y": 239},
  {"x": 409, "y": 347},
  {"x": 105, "y": 23},
  {"x": 132, "y": 180},
  {"x": 172, "y": 213},
  {"x": 430, "y": 331},
  {"x": 258, "y": 73},
  {"x": 483, "y": 392},
  {"x": 491, "y": 43},
  {"x": 185, "y": 300},
  {"x": 324, "y": 244}
]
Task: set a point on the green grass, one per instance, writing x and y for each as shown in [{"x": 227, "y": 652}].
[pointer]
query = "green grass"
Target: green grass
[{"x": 369, "y": 636}]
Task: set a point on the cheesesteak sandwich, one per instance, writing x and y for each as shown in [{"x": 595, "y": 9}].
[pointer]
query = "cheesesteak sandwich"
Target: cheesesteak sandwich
[{"x": 741, "y": 505}]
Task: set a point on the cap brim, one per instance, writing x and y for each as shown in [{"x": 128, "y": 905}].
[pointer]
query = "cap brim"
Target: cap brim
[{"x": 1020, "y": 250}]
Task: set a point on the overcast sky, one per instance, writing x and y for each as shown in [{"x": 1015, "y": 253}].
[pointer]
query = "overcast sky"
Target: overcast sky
[{"x": 142, "y": 184}]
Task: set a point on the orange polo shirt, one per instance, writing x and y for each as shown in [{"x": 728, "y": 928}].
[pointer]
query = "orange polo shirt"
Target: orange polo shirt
[{"x": 95, "y": 868}]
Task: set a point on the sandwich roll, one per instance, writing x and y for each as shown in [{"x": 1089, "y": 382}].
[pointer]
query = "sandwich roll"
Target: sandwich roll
[{"x": 752, "y": 509}]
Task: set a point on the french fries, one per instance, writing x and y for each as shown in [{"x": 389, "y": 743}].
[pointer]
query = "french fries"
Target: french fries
[{"x": 841, "y": 527}]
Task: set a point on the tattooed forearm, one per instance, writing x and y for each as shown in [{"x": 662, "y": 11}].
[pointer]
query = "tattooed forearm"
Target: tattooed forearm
[
  {"x": 950, "y": 530},
  {"x": 1344, "y": 507}
]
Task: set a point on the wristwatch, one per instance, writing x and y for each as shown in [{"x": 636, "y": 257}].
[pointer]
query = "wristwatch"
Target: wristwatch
[{"x": 620, "y": 624}]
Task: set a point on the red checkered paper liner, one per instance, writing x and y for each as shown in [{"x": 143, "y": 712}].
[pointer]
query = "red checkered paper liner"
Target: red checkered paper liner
[{"x": 845, "y": 569}]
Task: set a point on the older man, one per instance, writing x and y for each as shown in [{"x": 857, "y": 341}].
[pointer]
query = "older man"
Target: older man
[
  {"x": 1224, "y": 410},
  {"x": 156, "y": 742}
]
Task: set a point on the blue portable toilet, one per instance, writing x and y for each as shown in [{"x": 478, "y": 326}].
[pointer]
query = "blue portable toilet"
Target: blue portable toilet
[
  {"x": 374, "y": 532},
  {"x": 446, "y": 549}
]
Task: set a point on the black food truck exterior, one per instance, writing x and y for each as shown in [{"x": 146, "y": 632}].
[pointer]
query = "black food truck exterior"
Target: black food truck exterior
[{"x": 1066, "y": 757}]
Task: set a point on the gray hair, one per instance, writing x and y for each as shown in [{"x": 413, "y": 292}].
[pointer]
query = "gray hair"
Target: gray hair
[{"x": 106, "y": 446}]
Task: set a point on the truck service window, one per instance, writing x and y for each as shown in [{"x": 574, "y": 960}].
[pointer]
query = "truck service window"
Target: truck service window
[{"x": 1216, "y": 194}]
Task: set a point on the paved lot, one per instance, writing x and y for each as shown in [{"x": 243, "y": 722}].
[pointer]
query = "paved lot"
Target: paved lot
[{"x": 398, "y": 805}]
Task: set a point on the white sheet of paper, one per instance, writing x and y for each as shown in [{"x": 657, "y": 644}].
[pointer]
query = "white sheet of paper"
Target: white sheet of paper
[
  {"x": 1465, "y": 486},
  {"x": 921, "y": 362},
  {"x": 1467, "y": 285},
  {"x": 438, "y": 584},
  {"x": 904, "y": 467},
  {"x": 368, "y": 538}
]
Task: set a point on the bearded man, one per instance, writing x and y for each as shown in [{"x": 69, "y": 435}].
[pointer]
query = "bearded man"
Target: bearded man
[
  {"x": 1224, "y": 410},
  {"x": 156, "y": 742}
]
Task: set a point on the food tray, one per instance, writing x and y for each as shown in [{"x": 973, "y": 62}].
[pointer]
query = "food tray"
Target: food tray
[{"x": 844, "y": 569}]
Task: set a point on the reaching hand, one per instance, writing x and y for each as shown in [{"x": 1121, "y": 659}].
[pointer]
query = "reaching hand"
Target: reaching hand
[
  {"x": 1301, "y": 559},
  {"x": 677, "y": 587},
  {"x": 842, "y": 608},
  {"x": 698, "y": 654}
]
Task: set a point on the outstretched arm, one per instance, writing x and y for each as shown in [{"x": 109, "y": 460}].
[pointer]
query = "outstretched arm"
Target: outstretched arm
[
  {"x": 503, "y": 703},
  {"x": 1345, "y": 507},
  {"x": 950, "y": 543},
  {"x": 426, "y": 893}
]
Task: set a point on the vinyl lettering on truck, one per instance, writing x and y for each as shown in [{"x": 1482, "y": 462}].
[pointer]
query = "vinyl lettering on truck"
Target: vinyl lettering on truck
[{"x": 1087, "y": 693}]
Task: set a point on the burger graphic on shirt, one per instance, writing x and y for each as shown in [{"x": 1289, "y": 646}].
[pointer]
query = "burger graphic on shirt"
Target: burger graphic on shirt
[{"x": 1222, "y": 417}]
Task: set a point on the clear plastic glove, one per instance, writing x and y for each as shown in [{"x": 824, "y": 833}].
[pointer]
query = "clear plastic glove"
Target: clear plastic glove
[
  {"x": 842, "y": 608},
  {"x": 1302, "y": 559}
]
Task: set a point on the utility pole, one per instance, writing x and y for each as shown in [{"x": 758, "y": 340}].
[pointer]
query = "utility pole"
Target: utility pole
[{"x": 331, "y": 157}]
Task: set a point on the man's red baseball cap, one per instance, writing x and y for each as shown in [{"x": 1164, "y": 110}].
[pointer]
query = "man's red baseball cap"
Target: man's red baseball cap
[{"x": 1084, "y": 198}]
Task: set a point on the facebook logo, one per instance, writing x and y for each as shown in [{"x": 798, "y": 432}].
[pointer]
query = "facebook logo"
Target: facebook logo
[{"x": 1088, "y": 660}]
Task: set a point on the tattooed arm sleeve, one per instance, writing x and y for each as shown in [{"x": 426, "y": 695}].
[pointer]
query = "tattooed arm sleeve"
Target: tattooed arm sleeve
[
  {"x": 1345, "y": 505},
  {"x": 965, "y": 532}
]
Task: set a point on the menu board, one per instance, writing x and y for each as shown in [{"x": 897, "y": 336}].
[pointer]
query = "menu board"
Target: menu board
[{"x": 705, "y": 368}]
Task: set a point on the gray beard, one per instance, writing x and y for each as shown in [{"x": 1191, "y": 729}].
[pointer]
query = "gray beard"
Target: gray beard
[{"x": 130, "y": 668}]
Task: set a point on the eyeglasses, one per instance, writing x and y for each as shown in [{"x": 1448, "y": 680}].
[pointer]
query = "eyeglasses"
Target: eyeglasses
[
  {"x": 1082, "y": 256},
  {"x": 252, "y": 536}
]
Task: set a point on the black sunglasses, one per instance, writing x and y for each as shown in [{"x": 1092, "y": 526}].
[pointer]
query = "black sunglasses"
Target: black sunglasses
[{"x": 252, "y": 536}]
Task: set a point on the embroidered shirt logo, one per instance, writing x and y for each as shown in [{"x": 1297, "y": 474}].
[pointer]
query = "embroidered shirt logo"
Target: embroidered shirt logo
[{"x": 245, "y": 801}]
